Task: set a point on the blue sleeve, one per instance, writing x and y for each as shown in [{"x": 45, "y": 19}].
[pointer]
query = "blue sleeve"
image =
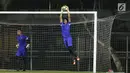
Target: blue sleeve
[
  {"x": 27, "y": 38},
  {"x": 69, "y": 23},
  {"x": 61, "y": 23}
]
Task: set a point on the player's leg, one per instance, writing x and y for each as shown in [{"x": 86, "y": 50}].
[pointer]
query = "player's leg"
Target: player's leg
[
  {"x": 18, "y": 61},
  {"x": 65, "y": 42},
  {"x": 24, "y": 60},
  {"x": 24, "y": 63},
  {"x": 70, "y": 48},
  {"x": 68, "y": 45},
  {"x": 72, "y": 54}
]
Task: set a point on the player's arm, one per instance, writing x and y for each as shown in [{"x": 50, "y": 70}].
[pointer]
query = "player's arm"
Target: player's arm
[
  {"x": 69, "y": 18},
  {"x": 61, "y": 20}
]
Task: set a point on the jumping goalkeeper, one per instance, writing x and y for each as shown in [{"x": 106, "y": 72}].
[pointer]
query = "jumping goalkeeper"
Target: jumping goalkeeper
[
  {"x": 67, "y": 39},
  {"x": 22, "y": 50}
]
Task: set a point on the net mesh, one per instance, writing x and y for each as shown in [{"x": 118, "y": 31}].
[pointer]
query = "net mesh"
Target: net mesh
[{"x": 48, "y": 50}]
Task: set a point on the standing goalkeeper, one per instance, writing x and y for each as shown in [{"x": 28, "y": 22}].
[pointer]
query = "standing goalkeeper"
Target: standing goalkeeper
[
  {"x": 22, "y": 50},
  {"x": 67, "y": 39}
]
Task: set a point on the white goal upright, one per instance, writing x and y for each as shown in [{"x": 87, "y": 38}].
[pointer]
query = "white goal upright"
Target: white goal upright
[{"x": 91, "y": 39}]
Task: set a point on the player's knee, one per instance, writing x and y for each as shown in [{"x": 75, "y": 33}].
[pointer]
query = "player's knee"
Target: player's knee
[{"x": 70, "y": 47}]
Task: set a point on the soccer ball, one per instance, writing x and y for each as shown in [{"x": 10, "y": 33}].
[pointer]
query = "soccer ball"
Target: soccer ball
[{"x": 64, "y": 7}]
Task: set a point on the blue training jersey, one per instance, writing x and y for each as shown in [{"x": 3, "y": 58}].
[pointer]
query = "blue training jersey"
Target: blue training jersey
[
  {"x": 22, "y": 41},
  {"x": 65, "y": 29}
]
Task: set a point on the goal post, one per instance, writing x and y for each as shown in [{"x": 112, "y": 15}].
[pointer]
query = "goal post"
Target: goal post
[
  {"x": 95, "y": 43},
  {"x": 58, "y": 12}
]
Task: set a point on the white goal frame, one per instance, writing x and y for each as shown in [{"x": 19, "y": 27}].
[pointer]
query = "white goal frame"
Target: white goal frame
[{"x": 71, "y": 12}]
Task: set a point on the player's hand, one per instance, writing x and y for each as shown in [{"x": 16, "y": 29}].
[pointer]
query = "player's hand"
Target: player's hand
[
  {"x": 28, "y": 45},
  {"x": 17, "y": 45},
  {"x": 67, "y": 8}
]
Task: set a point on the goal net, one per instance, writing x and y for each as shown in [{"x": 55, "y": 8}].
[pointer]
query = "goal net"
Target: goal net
[{"x": 47, "y": 51}]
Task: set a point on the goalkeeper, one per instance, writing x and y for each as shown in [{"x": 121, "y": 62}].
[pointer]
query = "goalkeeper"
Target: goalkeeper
[
  {"x": 22, "y": 50},
  {"x": 67, "y": 39}
]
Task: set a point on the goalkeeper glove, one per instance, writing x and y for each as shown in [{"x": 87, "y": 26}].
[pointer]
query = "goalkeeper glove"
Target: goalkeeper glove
[
  {"x": 17, "y": 45},
  {"x": 27, "y": 46}
]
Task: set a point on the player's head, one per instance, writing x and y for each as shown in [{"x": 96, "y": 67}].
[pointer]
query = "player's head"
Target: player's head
[
  {"x": 19, "y": 32},
  {"x": 65, "y": 20}
]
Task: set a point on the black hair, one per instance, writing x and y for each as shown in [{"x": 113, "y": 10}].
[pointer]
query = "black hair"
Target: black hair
[
  {"x": 19, "y": 30},
  {"x": 66, "y": 19}
]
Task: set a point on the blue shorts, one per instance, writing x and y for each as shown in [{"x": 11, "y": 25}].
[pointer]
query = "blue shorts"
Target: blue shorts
[
  {"x": 67, "y": 41},
  {"x": 21, "y": 52}
]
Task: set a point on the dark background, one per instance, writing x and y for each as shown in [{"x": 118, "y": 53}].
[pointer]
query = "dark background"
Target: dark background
[{"x": 105, "y": 8}]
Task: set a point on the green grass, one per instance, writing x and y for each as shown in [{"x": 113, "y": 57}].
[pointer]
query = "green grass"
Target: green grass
[{"x": 42, "y": 71}]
